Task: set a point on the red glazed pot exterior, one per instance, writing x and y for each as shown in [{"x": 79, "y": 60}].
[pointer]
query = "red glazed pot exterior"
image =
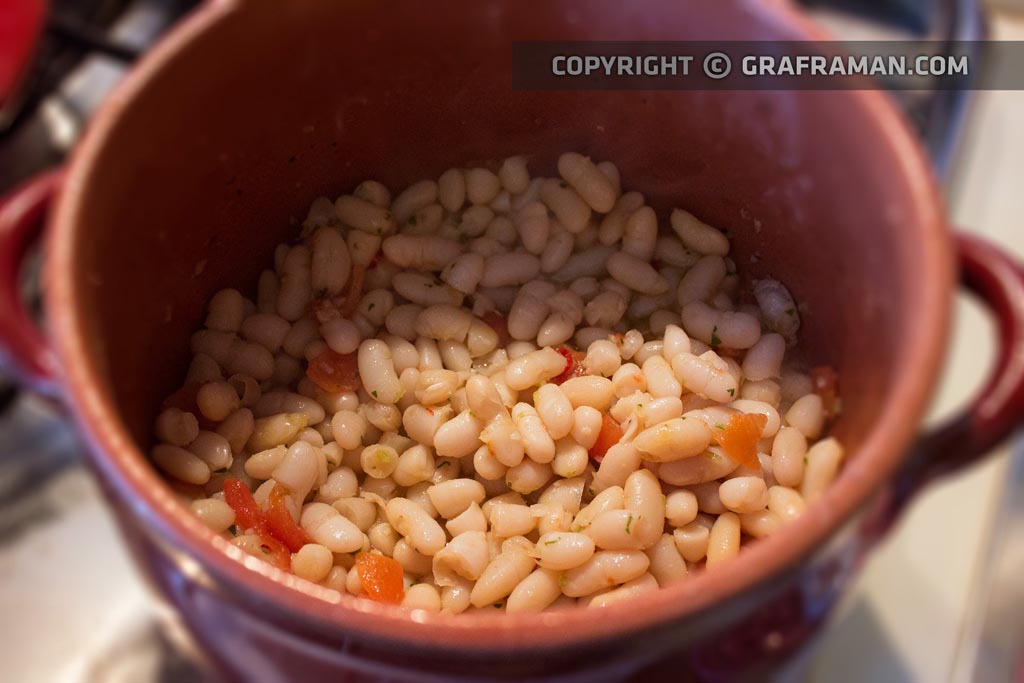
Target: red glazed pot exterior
[{"x": 209, "y": 154}]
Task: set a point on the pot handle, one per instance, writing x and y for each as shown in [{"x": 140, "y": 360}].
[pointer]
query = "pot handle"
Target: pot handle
[
  {"x": 23, "y": 348},
  {"x": 998, "y": 280}
]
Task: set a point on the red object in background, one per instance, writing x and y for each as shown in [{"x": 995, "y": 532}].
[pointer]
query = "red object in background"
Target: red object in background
[{"x": 21, "y": 25}]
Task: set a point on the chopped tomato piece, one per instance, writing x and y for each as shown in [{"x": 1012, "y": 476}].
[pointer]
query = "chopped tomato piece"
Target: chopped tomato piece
[
  {"x": 248, "y": 514},
  {"x": 355, "y": 291},
  {"x": 573, "y": 365},
  {"x": 498, "y": 323},
  {"x": 826, "y": 385},
  {"x": 276, "y": 552},
  {"x": 334, "y": 372},
  {"x": 326, "y": 308},
  {"x": 609, "y": 435},
  {"x": 381, "y": 577},
  {"x": 280, "y": 524},
  {"x": 739, "y": 438}
]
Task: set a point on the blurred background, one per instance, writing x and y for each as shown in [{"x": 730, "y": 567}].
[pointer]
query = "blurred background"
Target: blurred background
[{"x": 940, "y": 601}]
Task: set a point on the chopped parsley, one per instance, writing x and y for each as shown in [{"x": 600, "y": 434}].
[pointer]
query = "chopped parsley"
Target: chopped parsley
[
  {"x": 629, "y": 523},
  {"x": 715, "y": 341},
  {"x": 722, "y": 427},
  {"x": 374, "y": 393},
  {"x": 551, "y": 542},
  {"x": 370, "y": 307},
  {"x": 732, "y": 392}
]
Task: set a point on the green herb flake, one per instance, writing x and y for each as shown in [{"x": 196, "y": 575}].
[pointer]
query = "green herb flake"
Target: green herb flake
[
  {"x": 805, "y": 459},
  {"x": 715, "y": 341},
  {"x": 551, "y": 542},
  {"x": 629, "y": 523},
  {"x": 370, "y": 307},
  {"x": 722, "y": 427},
  {"x": 712, "y": 456},
  {"x": 374, "y": 393},
  {"x": 791, "y": 312},
  {"x": 732, "y": 392}
]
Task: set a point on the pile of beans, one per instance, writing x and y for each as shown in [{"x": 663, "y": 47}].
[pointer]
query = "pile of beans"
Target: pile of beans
[{"x": 499, "y": 392}]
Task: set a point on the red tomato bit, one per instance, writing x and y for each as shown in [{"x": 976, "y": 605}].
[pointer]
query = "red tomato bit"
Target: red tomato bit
[
  {"x": 280, "y": 523},
  {"x": 334, "y": 372},
  {"x": 573, "y": 365},
  {"x": 248, "y": 514},
  {"x": 610, "y": 434},
  {"x": 276, "y": 552},
  {"x": 739, "y": 438},
  {"x": 381, "y": 577}
]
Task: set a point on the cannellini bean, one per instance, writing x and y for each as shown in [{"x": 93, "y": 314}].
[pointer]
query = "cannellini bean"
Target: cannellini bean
[
  {"x": 509, "y": 268},
  {"x": 181, "y": 464},
  {"x": 501, "y": 576},
  {"x": 459, "y": 436},
  {"x": 374, "y": 192},
  {"x": 692, "y": 541},
  {"x": 225, "y": 311},
  {"x": 823, "y": 459},
  {"x": 217, "y": 400},
  {"x": 606, "y": 309},
  {"x": 513, "y": 174},
  {"x": 560, "y": 551},
  {"x": 602, "y": 358},
  {"x": 612, "y": 498},
  {"x": 471, "y": 519},
  {"x": 773, "y": 423},
  {"x": 237, "y": 429},
  {"x": 661, "y": 382},
  {"x": 421, "y": 422},
  {"x": 364, "y": 215},
  {"x": 420, "y": 252},
  {"x": 533, "y": 368},
  {"x": 534, "y": 227},
  {"x": 503, "y": 439},
  {"x": 214, "y": 513},
  {"x": 764, "y": 359},
  {"x": 591, "y": 262},
  {"x": 680, "y": 507},
  {"x": 628, "y": 379},
  {"x": 422, "y": 596},
  {"x": 558, "y": 249},
  {"x": 744, "y": 494},
  {"x": 778, "y": 308},
  {"x": 697, "y": 235},
  {"x": 435, "y": 386},
  {"x": 673, "y": 440},
  {"x": 414, "y": 198},
  {"x": 786, "y": 502},
  {"x": 667, "y": 565},
  {"x": 329, "y": 528},
  {"x": 700, "y": 282},
  {"x": 418, "y": 528},
  {"x": 708, "y": 466},
  {"x": 451, "y": 189},
  {"x": 724, "y": 539},
  {"x": 641, "y": 234},
  {"x": 453, "y": 497},
  {"x": 176, "y": 427},
  {"x": 789, "y": 448},
  {"x": 528, "y": 476},
  {"x": 482, "y": 185},
  {"x": 444, "y": 321},
  {"x": 213, "y": 449},
  {"x": 377, "y": 371},
  {"x": 341, "y": 483},
  {"x": 638, "y": 275},
  {"x": 592, "y": 185},
  {"x": 619, "y": 462},
  {"x": 422, "y": 289},
  {"x": 508, "y": 520},
  {"x": 330, "y": 263},
  {"x": 534, "y": 593},
  {"x": 760, "y": 524},
  {"x": 464, "y": 557},
  {"x": 588, "y": 390},
  {"x": 378, "y": 461},
  {"x": 569, "y": 208},
  {"x": 605, "y": 569},
  {"x": 705, "y": 375},
  {"x": 537, "y": 443},
  {"x": 641, "y": 584},
  {"x": 586, "y": 426},
  {"x": 570, "y": 459},
  {"x": 277, "y": 429},
  {"x": 807, "y": 414},
  {"x": 464, "y": 272},
  {"x": 275, "y": 402}
]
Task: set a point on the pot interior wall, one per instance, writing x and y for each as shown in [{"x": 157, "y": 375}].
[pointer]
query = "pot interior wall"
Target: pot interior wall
[{"x": 216, "y": 161}]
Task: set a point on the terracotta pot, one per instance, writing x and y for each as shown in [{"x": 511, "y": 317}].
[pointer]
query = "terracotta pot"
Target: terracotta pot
[{"x": 208, "y": 155}]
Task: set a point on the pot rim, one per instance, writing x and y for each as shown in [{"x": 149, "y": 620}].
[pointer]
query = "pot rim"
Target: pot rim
[{"x": 206, "y": 557}]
